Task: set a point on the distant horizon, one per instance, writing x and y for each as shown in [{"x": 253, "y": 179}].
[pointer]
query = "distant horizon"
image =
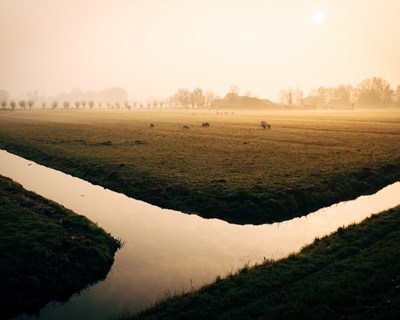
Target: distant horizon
[
  {"x": 152, "y": 48},
  {"x": 153, "y": 98}
]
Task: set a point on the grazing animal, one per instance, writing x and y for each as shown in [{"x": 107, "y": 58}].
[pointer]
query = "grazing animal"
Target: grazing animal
[
  {"x": 185, "y": 127},
  {"x": 205, "y": 124},
  {"x": 152, "y": 125},
  {"x": 265, "y": 125}
]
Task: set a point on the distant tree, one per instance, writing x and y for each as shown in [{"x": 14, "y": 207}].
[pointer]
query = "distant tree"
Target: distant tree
[
  {"x": 118, "y": 105},
  {"x": 83, "y": 103},
  {"x": 398, "y": 95},
  {"x": 77, "y": 104},
  {"x": 43, "y": 105},
  {"x": 12, "y": 104},
  {"x": 30, "y": 103},
  {"x": 54, "y": 105},
  {"x": 183, "y": 97},
  {"x": 234, "y": 89},
  {"x": 91, "y": 104},
  {"x": 148, "y": 105},
  {"x": 155, "y": 104},
  {"x": 286, "y": 96},
  {"x": 343, "y": 94},
  {"x": 323, "y": 93},
  {"x": 298, "y": 97},
  {"x": 22, "y": 104},
  {"x": 66, "y": 104},
  {"x": 141, "y": 105},
  {"x": 4, "y": 103},
  {"x": 161, "y": 103},
  {"x": 210, "y": 97},
  {"x": 375, "y": 92},
  {"x": 197, "y": 98},
  {"x": 108, "y": 105},
  {"x": 126, "y": 104},
  {"x": 134, "y": 103},
  {"x": 99, "y": 104}
]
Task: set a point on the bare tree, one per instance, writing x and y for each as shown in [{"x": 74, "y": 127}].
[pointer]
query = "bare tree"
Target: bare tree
[
  {"x": 12, "y": 104},
  {"x": 234, "y": 89},
  {"x": 398, "y": 95},
  {"x": 91, "y": 104},
  {"x": 4, "y": 104},
  {"x": 22, "y": 104},
  {"x": 375, "y": 91},
  {"x": 298, "y": 97},
  {"x": 118, "y": 105},
  {"x": 197, "y": 98},
  {"x": 77, "y": 104},
  {"x": 83, "y": 103},
  {"x": 66, "y": 104},
  {"x": 286, "y": 96},
  {"x": 183, "y": 97},
  {"x": 43, "y": 105},
  {"x": 30, "y": 103},
  {"x": 210, "y": 97},
  {"x": 54, "y": 105}
]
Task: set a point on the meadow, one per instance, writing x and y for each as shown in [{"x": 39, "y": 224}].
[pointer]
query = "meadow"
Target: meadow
[
  {"x": 233, "y": 170},
  {"x": 46, "y": 251}
]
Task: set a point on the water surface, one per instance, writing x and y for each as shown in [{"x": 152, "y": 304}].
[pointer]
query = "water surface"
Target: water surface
[{"x": 167, "y": 250}]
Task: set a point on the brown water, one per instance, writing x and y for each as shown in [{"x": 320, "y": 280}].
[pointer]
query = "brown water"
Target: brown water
[{"x": 167, "y": 250}]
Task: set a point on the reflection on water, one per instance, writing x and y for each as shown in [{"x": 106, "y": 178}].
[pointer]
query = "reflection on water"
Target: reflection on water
[{"x": 168, "y": 250}]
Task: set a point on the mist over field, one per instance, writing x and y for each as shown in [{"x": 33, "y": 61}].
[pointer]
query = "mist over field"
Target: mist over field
[
  {"x": 188, "y": 159},
  {"x": 153, "y": 48}
]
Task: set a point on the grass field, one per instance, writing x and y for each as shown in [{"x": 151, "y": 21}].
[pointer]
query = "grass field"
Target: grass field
[
  {"x": 233, "y": 170},
  {"x": 352, "y": 274},
  {"x": 46, "y": 251}
]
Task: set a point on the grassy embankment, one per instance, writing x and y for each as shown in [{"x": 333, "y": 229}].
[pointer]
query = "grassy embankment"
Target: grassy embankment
[
  {"x": 233, "y": 170},
  {"x": 46, "y": 251},
  {"x": 352, "y": 274}
]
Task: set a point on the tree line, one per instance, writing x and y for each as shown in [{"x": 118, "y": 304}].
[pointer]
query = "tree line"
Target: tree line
[{"x": 371, "y": 92}]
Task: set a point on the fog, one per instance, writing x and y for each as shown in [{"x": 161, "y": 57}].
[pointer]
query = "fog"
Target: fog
[{"x": 151, "y": 48}]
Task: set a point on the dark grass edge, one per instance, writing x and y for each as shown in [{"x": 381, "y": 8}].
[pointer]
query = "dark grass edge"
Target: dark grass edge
[
  {"x": 241, "y": 207},
  {"x": 364, "y": 239},
  {"x": 68, "y": 280}
]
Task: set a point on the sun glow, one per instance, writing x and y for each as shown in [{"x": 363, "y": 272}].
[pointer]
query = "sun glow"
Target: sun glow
[{"x": 318, "y": 16}]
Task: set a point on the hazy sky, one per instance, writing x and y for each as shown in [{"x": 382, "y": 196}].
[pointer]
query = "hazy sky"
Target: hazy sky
[{"x": 153, "y": 47}]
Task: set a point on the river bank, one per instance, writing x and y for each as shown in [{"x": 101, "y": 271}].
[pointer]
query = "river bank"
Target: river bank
[
  {"x": 46, "y": 251},
  {"x": 353, "y": 273},
  {"x": 167, "y": 251}
]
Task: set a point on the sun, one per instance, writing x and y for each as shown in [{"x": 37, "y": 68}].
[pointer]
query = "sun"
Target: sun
[{"x": 318, "y": 16}]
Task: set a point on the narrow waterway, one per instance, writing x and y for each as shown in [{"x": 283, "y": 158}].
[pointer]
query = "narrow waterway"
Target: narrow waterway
[{"x": 167, "y": 250}]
